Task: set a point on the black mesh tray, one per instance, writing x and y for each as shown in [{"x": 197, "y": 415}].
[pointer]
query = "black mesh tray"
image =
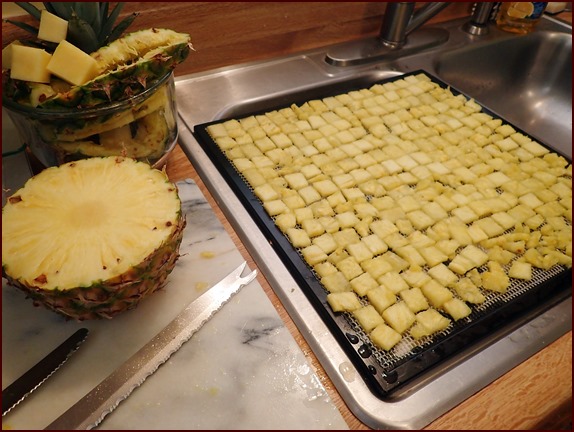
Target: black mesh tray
[{"x": 387, "y": 372}]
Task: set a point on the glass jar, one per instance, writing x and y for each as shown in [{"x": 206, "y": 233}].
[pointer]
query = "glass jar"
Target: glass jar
[
  {"x": 519, "y": 17},
  {"x": 143, "y": 127}
]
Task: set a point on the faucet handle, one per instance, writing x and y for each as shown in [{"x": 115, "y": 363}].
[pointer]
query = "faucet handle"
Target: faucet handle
[{"x": 478, "y": 24}]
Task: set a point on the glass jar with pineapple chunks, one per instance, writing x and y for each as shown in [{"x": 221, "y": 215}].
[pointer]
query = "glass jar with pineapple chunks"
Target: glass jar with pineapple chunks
[{"x": 142, "y": 127}]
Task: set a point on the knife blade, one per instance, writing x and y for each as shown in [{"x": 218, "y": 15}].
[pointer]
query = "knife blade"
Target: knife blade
[
  {"x": 41, "y": 371},
  {"x": 90, "y": 411}
]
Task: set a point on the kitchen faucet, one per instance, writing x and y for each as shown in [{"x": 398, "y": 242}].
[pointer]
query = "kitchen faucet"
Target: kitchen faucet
[
  {"x": 401, "y": 19},
  {"x": 397, "y": 36}
]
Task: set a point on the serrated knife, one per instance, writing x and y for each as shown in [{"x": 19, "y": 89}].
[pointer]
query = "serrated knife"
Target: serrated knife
[
  {"x": 41, "y": 371},
  {"x": 89, "y": 411}
]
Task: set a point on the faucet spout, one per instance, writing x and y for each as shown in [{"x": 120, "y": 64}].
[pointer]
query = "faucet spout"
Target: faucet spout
[{"x": 400, "y": 19}]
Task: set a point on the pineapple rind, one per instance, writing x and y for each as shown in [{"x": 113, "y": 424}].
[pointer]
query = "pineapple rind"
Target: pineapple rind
[{"x": 94, "y": 292}]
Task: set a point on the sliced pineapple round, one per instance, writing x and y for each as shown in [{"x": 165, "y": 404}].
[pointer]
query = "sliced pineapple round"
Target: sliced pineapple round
[{"x": 91, "y": 238}]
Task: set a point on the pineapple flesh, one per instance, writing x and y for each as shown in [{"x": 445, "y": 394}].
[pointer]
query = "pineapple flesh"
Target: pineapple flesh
[
  {"x": 90, "y": 239},
  {"x": 427, "y": 208}
]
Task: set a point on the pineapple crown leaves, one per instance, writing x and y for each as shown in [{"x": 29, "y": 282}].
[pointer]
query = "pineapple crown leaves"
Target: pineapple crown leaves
[{"x": 90, "y": 24}]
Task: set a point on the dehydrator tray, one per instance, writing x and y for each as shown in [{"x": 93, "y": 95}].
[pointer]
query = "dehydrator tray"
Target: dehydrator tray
[{"x": 387, "y": 372}]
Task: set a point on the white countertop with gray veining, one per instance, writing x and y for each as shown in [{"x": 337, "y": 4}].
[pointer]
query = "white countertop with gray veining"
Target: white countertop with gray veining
[{"x": 242, "y": 370}]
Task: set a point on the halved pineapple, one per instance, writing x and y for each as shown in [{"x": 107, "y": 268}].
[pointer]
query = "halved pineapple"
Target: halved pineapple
[{"x": 91, "y": 238}]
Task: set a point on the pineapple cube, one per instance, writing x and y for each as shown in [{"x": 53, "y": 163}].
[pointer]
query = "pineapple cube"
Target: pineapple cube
[
  {"x": 415, "y": 299},
  {"x": 309, "y": 194},
  {"x": 343, "y": 301},
  {"x": 312, "y": 227},
  {"x": 496, "y": 253},
  {"x": 326, "y": 187},
  {"x": 520, "y": 270},
  {"x": 393, "y": 281},
  {"x": 468, "y": 291},
  {"x": 477, "y": 256},
  {"x": 495, "y": 279},
  {"x": 336, "y": 282},
  {"x": 399, "y": 317},
  {"x": 415, "y": 277},
  {"x": 368, "y": 318},
  {"x": 443, "y": 275},
  {"x": 72, "y": 64},
  {"x": 324, "y": 269},
  {"x": 326, "y": 242},
  {"x": 347, "y": 219},
  {"x": 420, "y": 219},
  {"x": 349, "y": 268},
  {"x": 489, "y": 226},
  {"x": 375, "y": 244},
  {"x": 436, "y": 293},
  {"x": 385, "y": 337},
  {"x": 275, "y": 207},
  {"x": 363, "y": 283},
  {"x": 457, "y": 309},
  {"x": 313, "y": 254},
  {"x": 266, "y": 192},
  {"x": 428, "y": 322},
  {"x": 7, "y": 54},
  {"x": 52, "y": 28},
  {"x": 30, "y": 64},
  {"x": 285, "y": 221},
  {"x": 461, "y": 264},
  {"x": 296, "y": 180},
  {"x": 381, "y": 298},
  {"x": 411, "y": 255},
  {"x": 377, "y": 266},
  {"x": 298, "y": 237},
  {"x": 397, "y": 263},
  {"x": 359, "y": 251},
  {"x": 432, "y": 255}
]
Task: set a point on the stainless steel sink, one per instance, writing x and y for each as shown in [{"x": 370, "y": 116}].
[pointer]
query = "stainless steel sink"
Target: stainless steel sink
[
  {"x": 527, "y": 80},
  {"x": 523, "y": 79}
]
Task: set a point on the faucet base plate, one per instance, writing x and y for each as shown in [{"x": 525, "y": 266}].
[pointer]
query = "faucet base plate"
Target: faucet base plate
[{"x": 371, "y": 50}]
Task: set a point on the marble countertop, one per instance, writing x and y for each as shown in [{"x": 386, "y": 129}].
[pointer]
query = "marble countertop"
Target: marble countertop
[{"x": 242, "y": 370}]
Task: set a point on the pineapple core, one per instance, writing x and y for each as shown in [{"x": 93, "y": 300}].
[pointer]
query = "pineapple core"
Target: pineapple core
[{"x": 87, "y": 222}]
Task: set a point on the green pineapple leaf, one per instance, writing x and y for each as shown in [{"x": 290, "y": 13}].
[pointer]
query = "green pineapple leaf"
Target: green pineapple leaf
[
  {"x": 31, "y": 9},
  {"x": 63, "y": 9},
  {"x": 121, "y": 28},
  {"x": 89, "y": 12},
  {"x": 29, "y": 28},
  {"x": 81, "y": 34}
]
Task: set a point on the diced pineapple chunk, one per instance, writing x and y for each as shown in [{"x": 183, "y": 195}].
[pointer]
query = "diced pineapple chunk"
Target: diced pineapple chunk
[
  {"x": 343, "y": 301},
  {"x": 381, "y": 298},
  {"x": 436, "y": 293},
  {"x": 298, "y": 237},
  {"x": 368, "y": 317},
  {"x": 415, "y": 299},
  {"x": 385, "y": 337},
  {"x": 443, "y": 275},
  {"x": 428, "y": 322},
  {"x": 520, "y": 270},
  {"x": 313, "y": 254},
  {"x": 336, "y": 282},
  {"x": 495, "y": 279},
  {"x": 349, "y": 268},
  {"x": 399, "y": 317},
  {"x": 30, "y": 64},
  {"x": 457, "y": 309},
  {"x": 52, "y": 28},
  {"x": 363, "y": 283},
  {"x": 72, "y": 64},
  {"x": 393, "y": 281}
]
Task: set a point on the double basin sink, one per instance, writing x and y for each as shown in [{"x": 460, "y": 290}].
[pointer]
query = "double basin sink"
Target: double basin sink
[{"x": 524, "y": 79}]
